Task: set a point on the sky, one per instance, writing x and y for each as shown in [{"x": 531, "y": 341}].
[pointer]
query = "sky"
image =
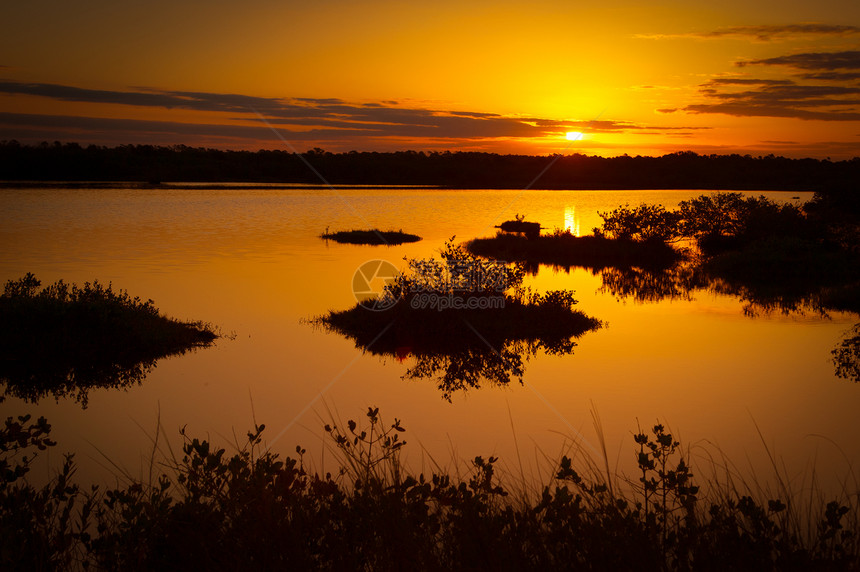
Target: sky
[{"x": 751, "y": 77}]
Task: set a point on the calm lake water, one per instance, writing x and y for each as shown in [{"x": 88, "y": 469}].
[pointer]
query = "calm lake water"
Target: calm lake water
[{"x": 249, "y": 260}]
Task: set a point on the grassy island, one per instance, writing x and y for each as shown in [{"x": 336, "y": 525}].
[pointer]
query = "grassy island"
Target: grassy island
[
  {"x": 373, "y": 236},
  {"x": 463, "y": 319},
  {"x": 64, "y": 339}
]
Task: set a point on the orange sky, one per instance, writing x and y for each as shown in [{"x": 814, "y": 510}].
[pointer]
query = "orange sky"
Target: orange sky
[{"x": 752, "y": 77}]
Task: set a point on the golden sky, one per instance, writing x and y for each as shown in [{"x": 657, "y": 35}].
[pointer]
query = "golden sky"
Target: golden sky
[{"x": 733, "y": 76}]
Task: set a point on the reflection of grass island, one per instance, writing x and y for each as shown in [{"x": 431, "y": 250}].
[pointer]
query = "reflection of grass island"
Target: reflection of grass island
[
  {"x": 373, "y": 236},
  {"x": 561, "y": 248},
  {"x": 548, "y": 319},
  {"x": 65, "y": 339}
]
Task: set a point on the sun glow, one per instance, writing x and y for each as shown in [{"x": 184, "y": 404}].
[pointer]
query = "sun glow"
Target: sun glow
[{"x": 573, "y": 136}]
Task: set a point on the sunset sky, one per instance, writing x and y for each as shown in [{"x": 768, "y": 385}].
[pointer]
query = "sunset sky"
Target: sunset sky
[{"x": 733, "y": 76}]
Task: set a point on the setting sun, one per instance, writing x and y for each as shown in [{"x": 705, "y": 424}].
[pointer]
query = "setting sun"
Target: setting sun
[{"x": 573, "y": 136}]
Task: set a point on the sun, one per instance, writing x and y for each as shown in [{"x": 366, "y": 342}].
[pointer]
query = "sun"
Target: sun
[{"x": 573, "y": 135}]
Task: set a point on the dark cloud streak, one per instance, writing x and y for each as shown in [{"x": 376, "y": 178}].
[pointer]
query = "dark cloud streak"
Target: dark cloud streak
[
  {"x": 764, "y": 33},
  {"x": 826, "y": 61},
  {"x": 767, "y": 33},
  {"x": 306, "y": 118},
  {"x": 832, "y": 76},
  {"x": 788, "y": 97}
]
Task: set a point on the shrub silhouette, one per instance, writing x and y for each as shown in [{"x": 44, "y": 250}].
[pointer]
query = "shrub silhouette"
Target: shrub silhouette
[{"x": 254, "y": 510}]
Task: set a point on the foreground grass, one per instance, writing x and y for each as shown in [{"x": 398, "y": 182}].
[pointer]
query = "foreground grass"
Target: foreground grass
[
  {"x": 252, "y": 510},
  {"x": 64, "y": 339},
  {"x": 373, "y": 236}
]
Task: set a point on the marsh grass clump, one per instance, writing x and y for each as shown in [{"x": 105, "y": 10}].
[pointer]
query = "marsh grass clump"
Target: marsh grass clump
[
  {"x": 464, "y": 320},
  {"x": 372, "y": 237},
  {"x": 63, "y": 339},
  {"x": 252, "y": 509}
]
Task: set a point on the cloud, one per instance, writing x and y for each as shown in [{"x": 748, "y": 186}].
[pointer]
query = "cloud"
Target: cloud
[
  {"x": 739, "y": 109},
  {"x": 69, "y": 123},
  {"x": 832, "y": 76},
  {"x": 780, "y": 99},
  {"x": 767, "y": 33},
  {"x": 792, "y": 98},
  {"x": 764, "y": 33},
  {"x": 826, "y": 61},
  {"x": 307, "y": 118},
  {"x": 749, "y": 81}
]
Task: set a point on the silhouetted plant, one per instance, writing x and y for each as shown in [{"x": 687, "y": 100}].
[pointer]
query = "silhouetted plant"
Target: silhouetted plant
[
  {"x": 371, "y": 454},
  {"x": 724, "y": 221},
  {"x": 459, "y": 272},
  {"x": 645, "y": 223},
  {"x": 40, "y": 528},
  {"x": 666, "y": 486},
  {"x": 250, "y": 509}
]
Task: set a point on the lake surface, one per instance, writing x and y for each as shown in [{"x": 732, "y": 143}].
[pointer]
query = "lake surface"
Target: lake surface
[{"x": 249, "y": 260}]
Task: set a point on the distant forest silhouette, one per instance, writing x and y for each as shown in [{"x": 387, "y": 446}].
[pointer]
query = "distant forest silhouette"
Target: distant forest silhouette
[{"x": 682, "y": 170}]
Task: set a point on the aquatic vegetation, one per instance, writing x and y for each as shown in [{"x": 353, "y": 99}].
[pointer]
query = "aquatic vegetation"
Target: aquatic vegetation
[
  {"x": 645, "y": 223},
  {"x": 715, "y": 221},
  {"x": 373, "y": 236},
  {"x": 740, "y": 239},
  {"x": 774, "y": 257},
  {"x": 253, "y": 509},
  {"x": 64, "y": 339},
  {"x": 463, "y": 319}
]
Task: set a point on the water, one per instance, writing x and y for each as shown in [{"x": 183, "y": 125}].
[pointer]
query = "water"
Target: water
[{"x": 250, "y": 261}]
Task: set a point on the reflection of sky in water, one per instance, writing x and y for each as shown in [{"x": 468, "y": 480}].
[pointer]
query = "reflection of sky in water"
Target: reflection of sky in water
[{"x": 251, "y": 262}]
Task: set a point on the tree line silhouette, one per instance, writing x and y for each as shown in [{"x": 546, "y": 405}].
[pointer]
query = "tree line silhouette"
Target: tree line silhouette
[{"x": 179, "y": 163}]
